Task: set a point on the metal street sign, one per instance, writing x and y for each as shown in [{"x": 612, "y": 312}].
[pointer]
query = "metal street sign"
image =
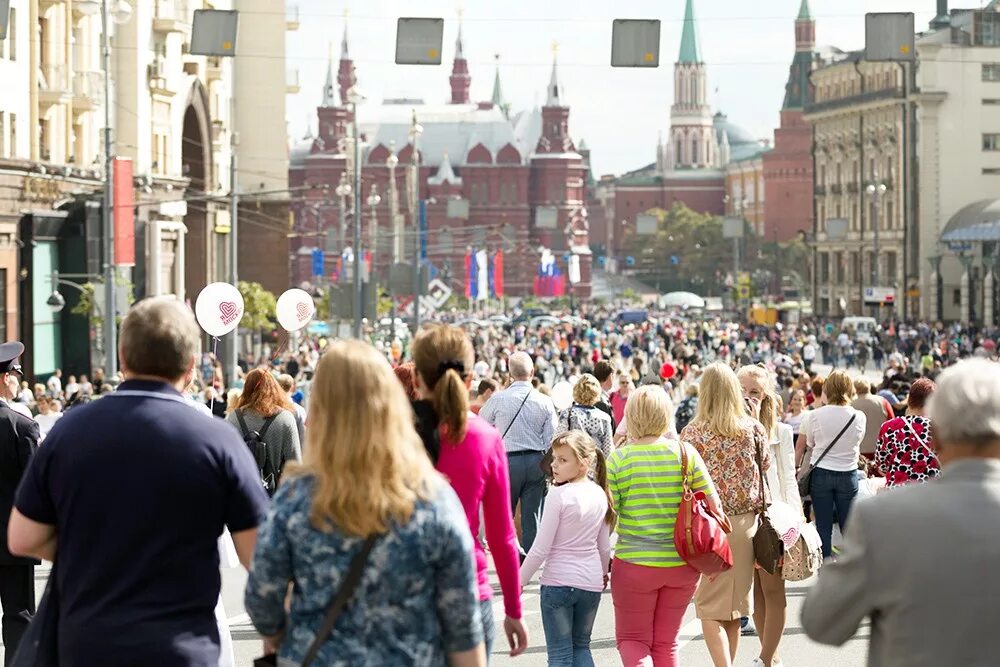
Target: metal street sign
[
  {"x": 458, "y": 208},
  {"x": 546, "y": 217},
  {"x": 4, "y": 15},
  {"x": 836, "y": 228},
  {"x": 880, "y": 295},
  {"x": 418, "y": 41},
  {"x": 645, "y": 224},
  {"x": 732, "y": 228},
  {"x": 213, "y": 32},
  {"x": 635, "y": 43},
  {"x": 889, "y": 36}
]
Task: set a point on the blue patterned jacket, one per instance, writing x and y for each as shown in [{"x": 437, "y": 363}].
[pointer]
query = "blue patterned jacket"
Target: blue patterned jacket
[{"x": 417, "y": 600}]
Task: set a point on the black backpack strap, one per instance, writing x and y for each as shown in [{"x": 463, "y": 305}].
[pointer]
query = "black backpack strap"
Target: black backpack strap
[
  {"x": 243, "y": 424},
  {"x": 267, "y": 424}
]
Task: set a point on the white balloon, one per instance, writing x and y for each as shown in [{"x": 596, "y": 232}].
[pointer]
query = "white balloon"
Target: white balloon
[
  {"x": 562, "y": 395},
  {"x": 295, "y": 309},
  {"x": 219, "y": 308}
]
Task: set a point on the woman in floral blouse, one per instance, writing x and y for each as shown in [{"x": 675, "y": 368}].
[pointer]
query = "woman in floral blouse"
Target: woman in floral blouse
[
  {"x": 902, "y": 451},
  {"x": 366, "y": 473},
  {"x": 729, "y": 440}
]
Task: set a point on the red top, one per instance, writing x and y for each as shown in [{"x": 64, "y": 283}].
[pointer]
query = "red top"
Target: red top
[
  {"x": 618, "y": 406},
  {"x": 903, "y": 458},
  {"x": 477, "y": 470}
]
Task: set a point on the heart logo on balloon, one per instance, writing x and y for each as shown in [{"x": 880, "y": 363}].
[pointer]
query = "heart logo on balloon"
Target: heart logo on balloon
[
  {"x": 303, "y": 311},
  {"x": 229, "y": 312}
]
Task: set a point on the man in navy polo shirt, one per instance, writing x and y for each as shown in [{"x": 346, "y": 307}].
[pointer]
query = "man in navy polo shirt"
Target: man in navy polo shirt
[{"x": 128, "y": 497}]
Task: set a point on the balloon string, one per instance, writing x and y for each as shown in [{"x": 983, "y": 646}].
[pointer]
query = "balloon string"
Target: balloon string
[
  {"x": 281, "y": 347},
  {"x": 215, "y": 349}
]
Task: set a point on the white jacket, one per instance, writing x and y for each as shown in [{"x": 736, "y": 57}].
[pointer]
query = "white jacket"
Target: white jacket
[{"x": 781, "y": 475}]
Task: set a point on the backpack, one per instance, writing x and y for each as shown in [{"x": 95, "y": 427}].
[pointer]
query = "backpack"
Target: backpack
[
  {"x": 685, "y": 413},
  {"x": 258, "y": 449}
]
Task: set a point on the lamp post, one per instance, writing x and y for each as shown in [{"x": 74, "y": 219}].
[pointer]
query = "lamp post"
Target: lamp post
[
  {"x": 122, "y": 13},
  {"x": 355, "y": 97},
  {"x": 416, "y": 129},
  {"x": 343, "y": 191},
  {"x": 373, "y": 201},
  {"x": 876, "y": 190}
]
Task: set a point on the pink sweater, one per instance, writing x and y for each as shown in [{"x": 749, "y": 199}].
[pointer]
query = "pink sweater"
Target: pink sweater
[
  {"x": 477, "y": 470},
  {"x": 573, "y": 538}
]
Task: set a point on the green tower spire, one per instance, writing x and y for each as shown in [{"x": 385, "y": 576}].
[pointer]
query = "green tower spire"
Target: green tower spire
[
  {"x": 804, "y": 14},
  {"x": 690, "y": 53}
]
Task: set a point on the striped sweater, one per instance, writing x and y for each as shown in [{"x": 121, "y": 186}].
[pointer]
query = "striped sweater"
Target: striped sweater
[{"x": 645, "y": 483}]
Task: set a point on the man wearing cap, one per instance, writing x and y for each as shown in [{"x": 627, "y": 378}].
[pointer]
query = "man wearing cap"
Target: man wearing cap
[{"x": 18, "y": 442}]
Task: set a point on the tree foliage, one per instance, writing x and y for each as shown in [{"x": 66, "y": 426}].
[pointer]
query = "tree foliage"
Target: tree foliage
[
  {"x": 259, "y": 307},
  {"x": 687, "y": 251},
  {"x": 85, "y": 302}
]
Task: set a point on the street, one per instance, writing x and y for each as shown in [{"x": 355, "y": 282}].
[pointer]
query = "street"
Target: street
[{"x": 796, "y": 648}]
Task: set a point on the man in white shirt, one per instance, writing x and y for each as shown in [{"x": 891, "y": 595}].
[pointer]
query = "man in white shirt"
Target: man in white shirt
[
  {"x": 71, "y": 386},
  {"x": 54, "y": 384}
]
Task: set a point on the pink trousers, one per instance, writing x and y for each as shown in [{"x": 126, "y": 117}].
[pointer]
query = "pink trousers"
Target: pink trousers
[{"x": 649, "y": 606}]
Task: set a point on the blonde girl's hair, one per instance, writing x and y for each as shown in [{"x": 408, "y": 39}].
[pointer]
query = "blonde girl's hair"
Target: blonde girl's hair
[
  {"x": 720, "y": 403},
  {"x": 770, "y": 404},
  {"x": 583, "y": 447},
  {"x": 369, "y": 464},
  {"x": 444, "y": 357},
  {"x": 648, "y": 412}
]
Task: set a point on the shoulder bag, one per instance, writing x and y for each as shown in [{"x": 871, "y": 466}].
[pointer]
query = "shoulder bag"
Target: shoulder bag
[
  {"x": 806, "y": 478},
  {"x": 700, "y": 533},
  {"x": 767, "y": 545},
  {"x": 340, "y": 601}
]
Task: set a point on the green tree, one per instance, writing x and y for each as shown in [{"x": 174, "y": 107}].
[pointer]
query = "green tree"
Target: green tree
[
  {"x": 85, "y": 305},
  {"x": 258, "y": 307},
  {"x": 687, "y": 252}
]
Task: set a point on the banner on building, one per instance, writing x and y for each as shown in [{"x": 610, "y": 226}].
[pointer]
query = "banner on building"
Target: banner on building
[{"x": 123, "y": 208}]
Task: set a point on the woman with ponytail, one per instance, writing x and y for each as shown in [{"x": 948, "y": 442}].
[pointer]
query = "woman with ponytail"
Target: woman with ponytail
[
  {"x": 471, "y": 455},
  {"x": 574, "y": 541},
  {"x": 769, "y": 589}
]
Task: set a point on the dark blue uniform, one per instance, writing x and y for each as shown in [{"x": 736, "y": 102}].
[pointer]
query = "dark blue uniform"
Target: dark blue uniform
[{"x": 18, "y": 442}]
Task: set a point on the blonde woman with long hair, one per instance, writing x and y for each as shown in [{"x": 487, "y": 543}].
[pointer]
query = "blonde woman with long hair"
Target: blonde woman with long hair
[
  {"x": 728, "y": 437},
  {"x": 769, "y": 589},
  {"x": 366, "y": 482}
]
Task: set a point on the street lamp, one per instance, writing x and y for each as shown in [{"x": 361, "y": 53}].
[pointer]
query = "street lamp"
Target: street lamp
[
  {"x": 373, "y": 201},
  {"x": 416, "y": 129},
  {"x": 122, "y": 13},
  {"x": 343, "y": 191},
  {"x": 876, "y": 190}
]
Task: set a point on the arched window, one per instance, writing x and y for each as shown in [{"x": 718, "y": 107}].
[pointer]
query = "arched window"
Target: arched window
[
  {"x": 680, "y": 158},
  {"x": 694, "y": 151}
]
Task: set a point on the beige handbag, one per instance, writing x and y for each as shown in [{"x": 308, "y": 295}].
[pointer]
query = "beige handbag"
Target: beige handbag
[{"x": 805, "y": 558}]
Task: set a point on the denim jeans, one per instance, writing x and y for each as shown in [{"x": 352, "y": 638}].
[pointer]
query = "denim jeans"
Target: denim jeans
[
  {"x": 832, "y": 492},
  {"x": 527, "y": 484},
  {"x": 568, "y": 618},
  {"x": 489, "y": 626}
]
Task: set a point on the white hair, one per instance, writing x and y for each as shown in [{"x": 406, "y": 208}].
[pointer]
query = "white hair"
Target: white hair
[
  {"x": 521, "y": 366},
  {"x": 966, "y": 405}
]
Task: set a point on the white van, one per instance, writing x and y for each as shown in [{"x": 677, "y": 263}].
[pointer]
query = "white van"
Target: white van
[{"x": 864, "y": 328}]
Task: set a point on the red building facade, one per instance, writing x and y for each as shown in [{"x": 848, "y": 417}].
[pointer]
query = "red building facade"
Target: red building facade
[
  {"x": 490, "y": 179},
  {"x": 788, "y": 168}
]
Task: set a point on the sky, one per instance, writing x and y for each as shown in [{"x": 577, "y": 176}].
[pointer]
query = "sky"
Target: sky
[{"x": 747, "y": 45}]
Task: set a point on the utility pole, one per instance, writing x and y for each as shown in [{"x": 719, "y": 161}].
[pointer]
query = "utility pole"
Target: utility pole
[
  {"x": 110, "y": 309},
  {"x": 358, "y": 294},
  {"x": 234, "y": 249},
  {"x": 418, "y": 210}
]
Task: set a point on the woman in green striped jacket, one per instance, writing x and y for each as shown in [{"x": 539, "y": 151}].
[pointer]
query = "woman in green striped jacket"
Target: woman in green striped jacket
[{"x": 651, "y": 585}]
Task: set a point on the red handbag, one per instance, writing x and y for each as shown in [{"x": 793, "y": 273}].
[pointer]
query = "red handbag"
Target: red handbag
[{"x": 700, "y": 533}]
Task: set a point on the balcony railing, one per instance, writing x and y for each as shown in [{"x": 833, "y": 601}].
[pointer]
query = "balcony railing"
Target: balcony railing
[
  {"x": 172, "y": 16},
  {"x": 88, "y": 88},
  {"x": 54, "y": 85}
]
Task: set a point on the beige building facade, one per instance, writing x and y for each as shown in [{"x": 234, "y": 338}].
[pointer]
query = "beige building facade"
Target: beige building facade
[{"x": 858, "y": 139}]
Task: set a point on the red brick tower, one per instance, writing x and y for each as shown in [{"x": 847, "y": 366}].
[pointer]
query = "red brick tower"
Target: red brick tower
[
  {"x": 460, "y": 79},
  {"x": 345, "y": 75},
  {"x": 788, "y": 169},
  {"x": 558, "y": 180}
]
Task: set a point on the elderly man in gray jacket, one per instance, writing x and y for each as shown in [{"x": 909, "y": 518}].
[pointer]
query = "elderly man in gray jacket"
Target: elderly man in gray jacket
[{"x": 923, "y": 561}]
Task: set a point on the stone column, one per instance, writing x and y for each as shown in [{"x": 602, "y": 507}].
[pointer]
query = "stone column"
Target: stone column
[
  {"x": 933, "y": 312},
  {"x": 966, "y": 303},
  {"x": 989, "y": 285}
]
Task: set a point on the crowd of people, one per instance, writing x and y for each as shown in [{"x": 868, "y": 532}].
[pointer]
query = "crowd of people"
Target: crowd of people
[{"x": 368, "y": 486}]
